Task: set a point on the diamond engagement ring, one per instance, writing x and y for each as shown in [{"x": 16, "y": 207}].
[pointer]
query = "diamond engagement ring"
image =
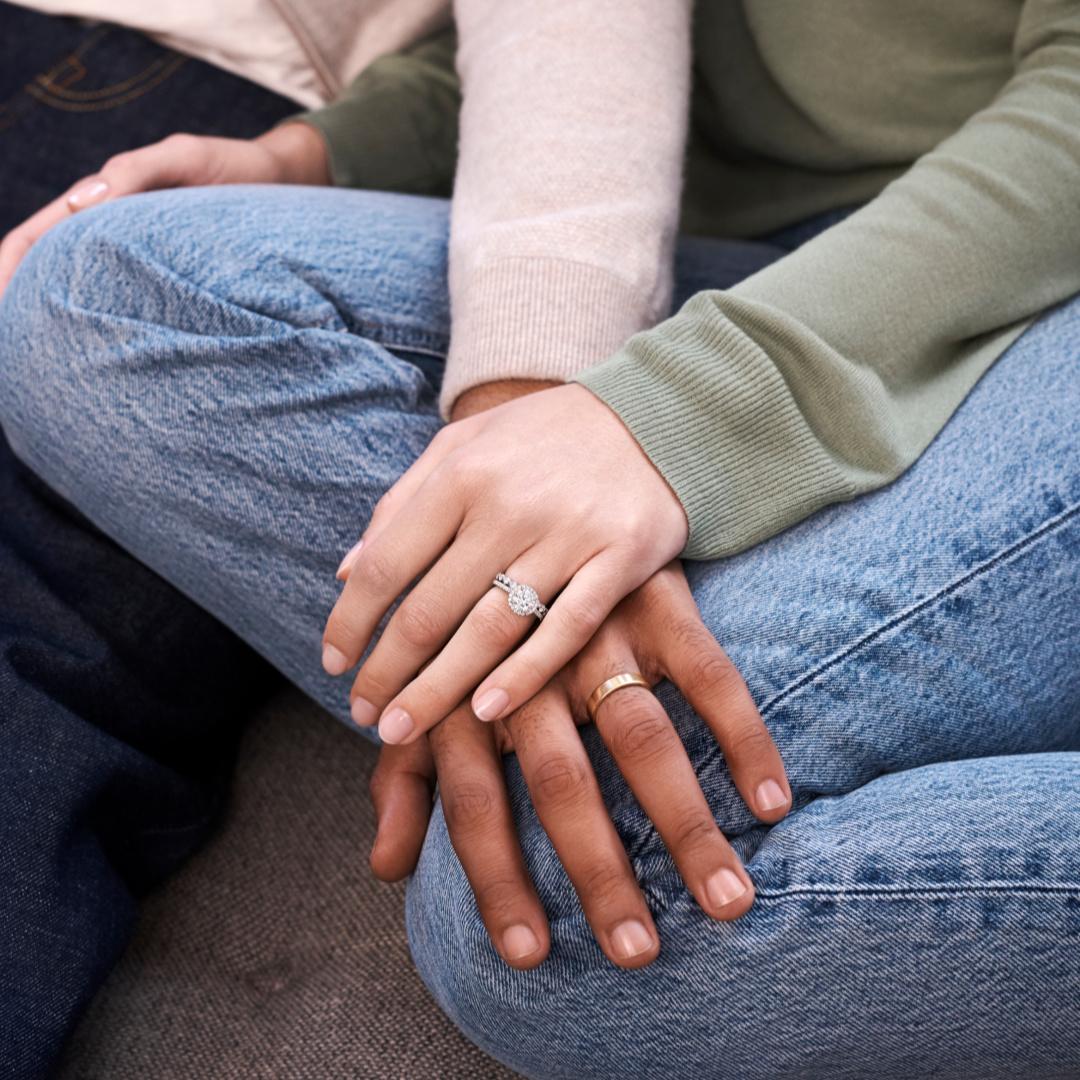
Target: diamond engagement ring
[{"x": 521, "y": 598}]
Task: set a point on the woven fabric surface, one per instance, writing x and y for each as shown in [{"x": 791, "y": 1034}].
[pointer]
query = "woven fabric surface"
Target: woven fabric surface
[{"x": 275, "y": 953}]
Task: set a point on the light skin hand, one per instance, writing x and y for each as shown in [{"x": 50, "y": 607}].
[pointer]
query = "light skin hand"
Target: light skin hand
[
  {"x": 658, "y": 631},
  {"x": 525, "y": 487},
  {"x": 293, "y": 153}
]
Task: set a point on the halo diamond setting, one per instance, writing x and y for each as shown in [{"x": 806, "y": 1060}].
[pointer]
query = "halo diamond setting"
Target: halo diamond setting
[{"x": 521, "y": 598}]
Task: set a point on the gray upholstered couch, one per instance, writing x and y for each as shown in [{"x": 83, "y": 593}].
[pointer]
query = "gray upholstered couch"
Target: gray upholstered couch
[{"x": 275, "y": 953}]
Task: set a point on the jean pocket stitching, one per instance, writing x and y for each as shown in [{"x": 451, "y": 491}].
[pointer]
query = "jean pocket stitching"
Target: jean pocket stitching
[
  {"x": 907, "y": 614},
  {"x": 109, "y": 97}
]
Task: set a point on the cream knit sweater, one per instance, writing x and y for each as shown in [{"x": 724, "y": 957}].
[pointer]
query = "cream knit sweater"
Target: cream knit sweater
[{"x": 566, "y": 199}]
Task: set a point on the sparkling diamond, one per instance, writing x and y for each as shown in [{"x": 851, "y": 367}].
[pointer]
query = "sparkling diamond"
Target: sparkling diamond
[{"x": 523, "y": 599}]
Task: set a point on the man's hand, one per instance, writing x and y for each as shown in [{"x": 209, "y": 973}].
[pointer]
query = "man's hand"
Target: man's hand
[
  {"x": 656, "y": 631},
  {"x": 293, "y": 153}
]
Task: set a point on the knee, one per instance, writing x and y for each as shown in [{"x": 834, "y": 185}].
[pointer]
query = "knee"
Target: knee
[
  {"x": 577, "y": 1016},
  {"x": 53, "y": 333}
]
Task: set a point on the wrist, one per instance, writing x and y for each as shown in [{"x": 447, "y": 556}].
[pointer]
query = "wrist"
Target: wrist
[
  {"x": 299, "y": 153},
  {"x": 486, "y": 396}
]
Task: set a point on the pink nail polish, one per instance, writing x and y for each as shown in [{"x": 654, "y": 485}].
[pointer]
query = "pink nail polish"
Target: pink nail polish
[
  {"x": 334, "y": 661},
  {"x": 396, "y": 726},
  {"x": 770, "y": 795},
  {"x": 724, "y": 887},
  {"x": 491, "y": 704},
  {"x": 350, "y": 558},
  {"x": 87, "y": 194}
]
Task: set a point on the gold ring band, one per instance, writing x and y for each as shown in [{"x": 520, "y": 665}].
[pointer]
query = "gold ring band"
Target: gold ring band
[{"x": 609, "y": 686}]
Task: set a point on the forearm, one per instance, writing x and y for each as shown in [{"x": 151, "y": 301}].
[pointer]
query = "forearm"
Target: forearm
[
  {"x": 566, "y": 196},
  {"x": 827, "y": 374}
]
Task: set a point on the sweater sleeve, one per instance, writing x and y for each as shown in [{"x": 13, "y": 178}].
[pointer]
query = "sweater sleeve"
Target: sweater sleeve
[
  {"x": 826, "y": 374},
  {"x": 566, "y": 197},
  {"x": 395, "y": 128}
]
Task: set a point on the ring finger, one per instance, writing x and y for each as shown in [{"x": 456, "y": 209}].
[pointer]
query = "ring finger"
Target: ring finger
[
  {"x": 489, "y": 632},
  {"x": 652, "y": 758}
]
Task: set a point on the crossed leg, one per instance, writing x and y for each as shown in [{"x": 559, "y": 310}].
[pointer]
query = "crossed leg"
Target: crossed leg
[{"x": 226, "y": 380}]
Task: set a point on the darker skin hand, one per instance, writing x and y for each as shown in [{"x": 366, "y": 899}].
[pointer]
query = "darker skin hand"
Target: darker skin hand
[{"x": 657, "y": 631}]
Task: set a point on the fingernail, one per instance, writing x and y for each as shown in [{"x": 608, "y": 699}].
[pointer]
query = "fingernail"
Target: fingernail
[
  {"x": 519, "y": 941},
  {"x": 395, "y": 726},
  {"x": 363, "y": 712},
  {"x": 87, "y": 194},
  {"x": 350, "y": 558},
  {"x": 490, "y": 704},
  {"x": 724, "y": 887},
  {"x": 770, "y": 795},
  {"x": 631, "y": 939},
  {"x": 334, "y": 661}
]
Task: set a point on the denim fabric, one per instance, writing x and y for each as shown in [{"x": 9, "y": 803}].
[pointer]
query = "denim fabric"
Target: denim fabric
[
  {"x": 120, "y": 701},
  {"x": 226, "y": 380}
]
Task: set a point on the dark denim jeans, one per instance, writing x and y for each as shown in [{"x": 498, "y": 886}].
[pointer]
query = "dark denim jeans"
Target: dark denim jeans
[{"x": 120, "y": 700}]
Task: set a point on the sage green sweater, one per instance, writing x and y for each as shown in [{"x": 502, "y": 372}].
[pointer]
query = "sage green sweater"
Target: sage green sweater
[{"x": 826, "y": 374}]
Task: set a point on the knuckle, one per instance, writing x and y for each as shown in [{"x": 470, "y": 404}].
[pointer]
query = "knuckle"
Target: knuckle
[
  {"x": 376, "y": 572},
  {"x": 695, "y": 831},
  {"x": 190, "y": 149},
  {"x": 749, "y": 741},
  {"x": 493, "y": 626},
  {"x": 374, "y": 684},
  {"x": 560, "y": 780},
  {"x": 639, "y": 734},
  {"x": 712, "y": 672},
  {"x": 468, "y": 807},
  {"x": 498, "y": 896},
  {"x": 420, "y": 624},
  {"x": 584, "y": 614},
  {"x": 603, "y": 883}
]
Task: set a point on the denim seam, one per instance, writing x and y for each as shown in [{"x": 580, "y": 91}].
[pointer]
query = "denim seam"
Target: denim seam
[
  {"x": 909, "y": 613},
  {"x": 915, "y": 892}
]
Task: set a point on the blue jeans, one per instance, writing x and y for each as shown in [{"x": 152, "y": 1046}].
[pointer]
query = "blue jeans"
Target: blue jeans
[{"x": 225, "y": 380}]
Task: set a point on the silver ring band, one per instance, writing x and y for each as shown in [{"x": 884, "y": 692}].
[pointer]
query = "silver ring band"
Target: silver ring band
[{"x": 522, "y": 599}]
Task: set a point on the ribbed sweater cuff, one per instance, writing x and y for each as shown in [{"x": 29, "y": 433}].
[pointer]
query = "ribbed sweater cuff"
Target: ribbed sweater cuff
[
  {"x": 536, "y": 318},
  {"x": 717, "y": 419}
]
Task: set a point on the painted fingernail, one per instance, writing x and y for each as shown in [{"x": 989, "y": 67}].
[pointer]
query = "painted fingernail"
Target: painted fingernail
[
  {"x": 770, "y": 795},
  {"x": 724, "y": 887},
  {"x": 491, "y": 704},
  {"x": 519, "y": 941},
  {"x": 350, "y": 558},
  {"x": 334, "y": 661},
  {"x": 631, "y": 939},
  {"x": 87, "y": 194},
  {"x": 396, "y": 726},
  {"x": 363, "y": 712}
]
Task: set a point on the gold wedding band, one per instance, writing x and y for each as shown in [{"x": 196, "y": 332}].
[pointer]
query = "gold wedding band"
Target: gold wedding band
[{"x": 609, "y": 686}]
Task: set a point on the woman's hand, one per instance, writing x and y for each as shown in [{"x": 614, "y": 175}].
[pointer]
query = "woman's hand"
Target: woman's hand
[
  {"x": 550, "y": 489},
  {"x": 656, "y": 631},
  {"x": 290, "y": 154}
]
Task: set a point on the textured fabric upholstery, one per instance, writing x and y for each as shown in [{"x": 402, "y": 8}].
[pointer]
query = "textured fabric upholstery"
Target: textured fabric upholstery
[{"x": 275, "y": 953}]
